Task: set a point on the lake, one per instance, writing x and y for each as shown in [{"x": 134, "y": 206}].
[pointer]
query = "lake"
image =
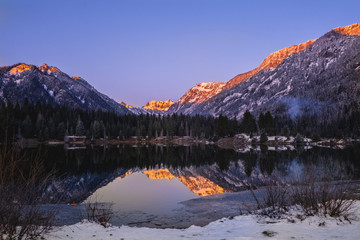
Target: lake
[{"x": 154, "y": 179}]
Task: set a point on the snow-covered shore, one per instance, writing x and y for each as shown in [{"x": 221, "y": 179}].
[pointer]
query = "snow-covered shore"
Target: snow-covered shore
[{"x": 240, "y": 227}]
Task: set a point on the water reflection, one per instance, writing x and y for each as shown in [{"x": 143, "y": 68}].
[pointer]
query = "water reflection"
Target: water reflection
[
  {"x": 183, "y": 172},
  {"x": 197, "y": 184},
  {"x": 138, "y": 192}
]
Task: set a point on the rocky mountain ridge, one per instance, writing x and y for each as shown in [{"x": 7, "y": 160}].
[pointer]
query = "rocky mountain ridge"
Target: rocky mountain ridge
[
  {"x": 50, "y": 85},
  {"x": 311, "y": 78},
  {"x": 159, "y": 105},
  {"x": 201, "y": 92},
  {"x": 204, "y": 91},
  {"x": 294, "y": 80}
]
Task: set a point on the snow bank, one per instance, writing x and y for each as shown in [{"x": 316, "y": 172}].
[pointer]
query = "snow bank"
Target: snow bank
[{"x": 240, "y": 227}]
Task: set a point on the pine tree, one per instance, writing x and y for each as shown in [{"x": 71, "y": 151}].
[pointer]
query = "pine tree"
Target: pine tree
[
  {"x": 97, "y": 130},
  {"x": 269, "y": 123},
  {"x": 248, "y": 123},
  {"x": 263, "y": 137},
  {"x": 222, "y": 126},
  {"x": 80, "y": 129}
]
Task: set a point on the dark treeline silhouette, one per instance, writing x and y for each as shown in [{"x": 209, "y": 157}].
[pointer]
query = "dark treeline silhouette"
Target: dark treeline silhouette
[
  {"x": 44, "y": 122},
  {"x": 99, "y": 159},
  {"x": 336, "y": 163}
]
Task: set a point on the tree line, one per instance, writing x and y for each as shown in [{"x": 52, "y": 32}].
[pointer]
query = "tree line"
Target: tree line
[{"x": 44, "y": 121}]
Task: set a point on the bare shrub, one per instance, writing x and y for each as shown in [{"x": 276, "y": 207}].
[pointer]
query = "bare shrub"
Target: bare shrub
[
  {"x": 22, "y": 180},
  {"x": 99, "y": 212},
  {"x": 276, "y": 196},
  {"x": 274, "y": 200},
  {"x": 313, "y": 192},
  {"x": 321, "y": 196}
]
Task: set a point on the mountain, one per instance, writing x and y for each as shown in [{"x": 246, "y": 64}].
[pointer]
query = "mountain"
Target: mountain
[
  {"x": 271, "y": 62},
  {"x": 204, "y": 91},
  {"x": 126, "y": 105},
  {"x": 318, "y": 77},
  {"x": 50, "y": 85},
  {"x": 159, "y": 105},
  {"x": 201, "y": 92},
  {"x": 135, "y": 110},
  {"x": 154, "y": 107}
]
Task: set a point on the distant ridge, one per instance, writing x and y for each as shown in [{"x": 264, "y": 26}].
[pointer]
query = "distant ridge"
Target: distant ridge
[
  {"x": 50, "y": 85},
  {"x": 300, "y": 78}
]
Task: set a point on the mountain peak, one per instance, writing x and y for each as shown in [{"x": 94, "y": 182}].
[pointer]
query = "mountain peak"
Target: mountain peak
[
  {"x": 125, "y": 105},
  {"x": 272, "y": 61},
  {"x": 49, "y": 69},
  {"x": 159, "y": 105},
  {"x": 22, "y": 67},
  {"x": 44, "y": 84},
  {"x": 202, "y": 92},
  {"x": 353, "y": 29}
]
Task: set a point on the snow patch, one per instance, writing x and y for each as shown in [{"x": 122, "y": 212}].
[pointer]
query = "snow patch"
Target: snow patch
[
  {"x": 234, "y": 95},
  {"x": 18, "y": 81},
  {"x": 240, "y": 227}
]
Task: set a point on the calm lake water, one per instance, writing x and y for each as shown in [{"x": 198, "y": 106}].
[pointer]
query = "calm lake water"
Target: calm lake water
[{"x": 154, "y": 179}]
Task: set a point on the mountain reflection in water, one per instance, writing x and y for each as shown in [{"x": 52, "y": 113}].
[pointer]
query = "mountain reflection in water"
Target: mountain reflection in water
[
  {"x": 137, "y": 192},
  {"x": 197, "y": 184},
  {"x": 194, "y": 170}
]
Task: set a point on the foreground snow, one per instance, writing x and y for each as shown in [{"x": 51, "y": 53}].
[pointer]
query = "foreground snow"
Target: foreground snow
[{"x": 240, "y": 227}]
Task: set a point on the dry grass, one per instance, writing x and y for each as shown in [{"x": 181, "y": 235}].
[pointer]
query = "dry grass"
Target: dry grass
[
  {"x": 22, "y": 180},
  {"x": 321, "y": 196},
  {"x": 314, "y": 194},
  {"x": 97, "y": 211}
]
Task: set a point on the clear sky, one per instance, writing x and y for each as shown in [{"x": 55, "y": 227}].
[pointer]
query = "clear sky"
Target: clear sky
[{"x": 136, "y": 51}]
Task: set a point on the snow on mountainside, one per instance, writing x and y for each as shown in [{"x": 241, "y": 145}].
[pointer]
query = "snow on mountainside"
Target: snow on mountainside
[
  {"x": 272, "y": 61},
  {"x": 159, "y": 105},
  {"x": 204, "y": 91},
  {"x": 320, "y": 79},
  {"x": 152, "y": 107},
  {"x": 50, "y": 85},
  {"x": 77, "y": 188},
  {"x": 199, "y": 93}
]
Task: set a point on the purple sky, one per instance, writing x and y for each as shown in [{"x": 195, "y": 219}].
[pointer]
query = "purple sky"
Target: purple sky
[{"x": 136, "y": 51}]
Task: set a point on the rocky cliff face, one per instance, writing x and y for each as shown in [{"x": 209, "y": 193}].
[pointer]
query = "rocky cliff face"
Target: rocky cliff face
[
  {"x": 204, "y": 91},
  {"x": 159, "y": 105},
  {"x": 50, "y": 85},
  {"x": 349, "y": 30},
  {"x": 272, "y": 61},
  {"x": 126, "y": 105},
  {"x": 201, "y": 92},
  {"x": 316, "y": 78}
]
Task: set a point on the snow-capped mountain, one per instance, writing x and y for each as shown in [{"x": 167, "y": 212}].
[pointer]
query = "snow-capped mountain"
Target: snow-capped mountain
[
  {"x": 50, "y": 85},
  {"x": 201, "y": 92},
  {"x": 152, "y": 107},
  {"x": 204, "y": 91},
  {"x": 317, "y": 77},
  {"x": 159, "y": 105}
]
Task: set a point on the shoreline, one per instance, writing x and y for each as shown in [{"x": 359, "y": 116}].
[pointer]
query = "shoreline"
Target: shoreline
[
  {"x": 240, "y": 142},
  {"x": 197, "y": 211}
]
